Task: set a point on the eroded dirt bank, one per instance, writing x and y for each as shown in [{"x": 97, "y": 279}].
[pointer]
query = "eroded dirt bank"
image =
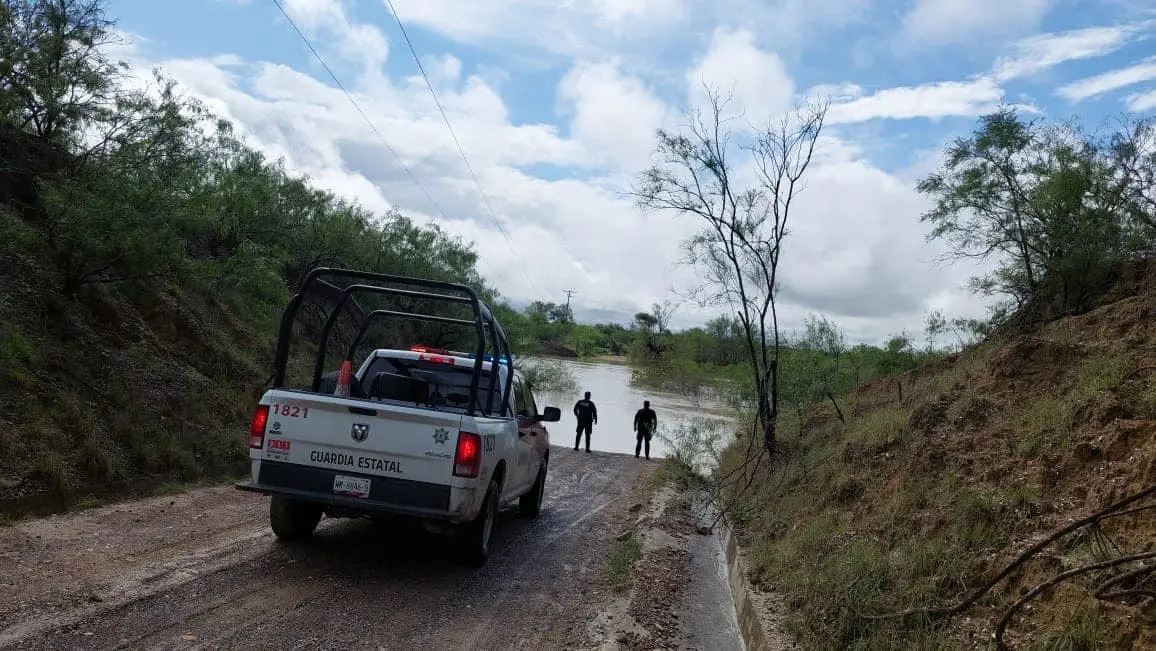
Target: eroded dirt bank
[{"x": 202, "y": 570}]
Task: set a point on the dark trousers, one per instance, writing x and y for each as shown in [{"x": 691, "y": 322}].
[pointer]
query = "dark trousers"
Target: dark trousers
[
  {"x": 643, "y": 439},
  {"x": 583, "y": 427}
]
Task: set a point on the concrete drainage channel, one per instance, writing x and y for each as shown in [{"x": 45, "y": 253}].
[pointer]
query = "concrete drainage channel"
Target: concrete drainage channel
[
  {"x": 757, "y": 633},
  {"x": 755, "y": 637},
  {"x": 689, "y": 588}
]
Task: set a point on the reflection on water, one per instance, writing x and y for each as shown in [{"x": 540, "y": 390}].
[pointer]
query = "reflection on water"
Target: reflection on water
[{"x": 617, "y": 401}]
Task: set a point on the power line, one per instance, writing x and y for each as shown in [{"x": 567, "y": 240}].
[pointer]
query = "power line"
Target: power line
[
  {"x": 357, "y": 106},
  {"x": 461, "y": 150},
  {"x": 568, "y": 293}
]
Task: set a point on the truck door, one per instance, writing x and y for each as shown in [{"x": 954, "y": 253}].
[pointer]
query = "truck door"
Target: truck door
[
  {"x": 524, "y": 468},
  {"x": 540, "y": 441}
]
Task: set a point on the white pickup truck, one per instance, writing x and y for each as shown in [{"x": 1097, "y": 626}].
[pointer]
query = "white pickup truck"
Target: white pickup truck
[{"x": 445, "y": 437}]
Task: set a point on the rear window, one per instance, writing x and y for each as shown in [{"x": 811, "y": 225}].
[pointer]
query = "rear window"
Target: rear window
[{"x": 426, "y": 384}]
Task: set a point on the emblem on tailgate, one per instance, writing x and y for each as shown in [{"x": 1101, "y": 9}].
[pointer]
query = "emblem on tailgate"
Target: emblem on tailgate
[
  {"x": 360, "y": 432},
  {"x": 441, "y": 435}
]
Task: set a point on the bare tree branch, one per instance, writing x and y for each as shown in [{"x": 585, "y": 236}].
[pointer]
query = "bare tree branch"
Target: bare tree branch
[{"x": 739, "y": 245}]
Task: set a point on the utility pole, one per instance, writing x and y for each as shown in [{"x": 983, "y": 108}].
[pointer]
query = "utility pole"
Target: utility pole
[
  {"x": 569, "y": 293},
  {"x": 567, "y": 325}
]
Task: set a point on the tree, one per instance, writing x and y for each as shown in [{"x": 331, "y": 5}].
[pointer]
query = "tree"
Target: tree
[
  {"x": 1042, "y": 200},
  {"x": 824, "y": 337},
  {"x": 54, "y": 73},
  {"x": 981, "y": 203},
  {"x": 1132, "y": 157},
  {"x": 726, "y": 333},
  {"x": 739, "y": 245},
  {"x": 935, "y": 324}
]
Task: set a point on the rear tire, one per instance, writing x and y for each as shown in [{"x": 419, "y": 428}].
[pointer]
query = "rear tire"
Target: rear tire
[
  {"x": 292, "y": 520},
  {"x": 530, "y": 504},
  {"x": 473, "y": 539}
]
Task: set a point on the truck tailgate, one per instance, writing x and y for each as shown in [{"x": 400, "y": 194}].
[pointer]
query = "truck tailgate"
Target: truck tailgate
[{"x": 360, "y": 437}]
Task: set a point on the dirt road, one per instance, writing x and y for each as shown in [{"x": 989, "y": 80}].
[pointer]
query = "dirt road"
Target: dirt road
[{"x": 202, "y": 570}]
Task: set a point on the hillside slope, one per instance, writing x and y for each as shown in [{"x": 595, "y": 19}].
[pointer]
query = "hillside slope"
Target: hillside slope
[
  {"x": 941, "y": 476},
  {"x": 105, "y": 388}
]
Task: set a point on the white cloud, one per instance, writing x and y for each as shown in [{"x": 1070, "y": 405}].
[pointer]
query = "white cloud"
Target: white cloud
[
  {"x": 1140, "y": 102},
  {"x": 576, "y": 29},
  {"x": 1109, "y": 81},
  {"x": 790, "y": 24},
  {"x": 859, "y": 222},
  {"x": 357, "y": 42},
  {"x": 612, "y": 12},
  {"x": 612, "y": 113},
  {"x": 759, "y": 79},
  {"x": 932, "y": 101},
  {"x": 955, "y": 21},
  {"x": 581, "y": 235},
  {"x": 859, "y": 258},
  {"x": 1043, "y": 51},
  {"x": 844, "y": 92},
  {"x": 444, "y": 69}
]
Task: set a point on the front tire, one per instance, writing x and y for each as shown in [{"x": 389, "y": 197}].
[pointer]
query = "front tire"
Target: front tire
[
  {"x": 473, "y": 539},
  {"x": 292, "y": 520},
  {"x": 530, "y": 504}
]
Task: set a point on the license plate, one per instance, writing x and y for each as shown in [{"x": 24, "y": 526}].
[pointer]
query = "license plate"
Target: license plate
[{"x": 353, "y": 486}]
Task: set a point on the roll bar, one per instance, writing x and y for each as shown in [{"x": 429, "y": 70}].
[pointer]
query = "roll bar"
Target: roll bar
[{"x": 483, "y": 322}]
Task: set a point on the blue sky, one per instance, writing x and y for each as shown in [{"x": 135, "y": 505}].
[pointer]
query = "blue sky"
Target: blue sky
[{"x": 556, "y": 105}]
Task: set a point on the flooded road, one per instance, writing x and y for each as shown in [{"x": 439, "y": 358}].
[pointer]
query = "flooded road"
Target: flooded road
[{"x": 617, "y": 400}]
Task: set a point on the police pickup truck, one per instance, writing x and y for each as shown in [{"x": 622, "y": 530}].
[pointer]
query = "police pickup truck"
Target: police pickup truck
[{"x": 442, "y": 436}]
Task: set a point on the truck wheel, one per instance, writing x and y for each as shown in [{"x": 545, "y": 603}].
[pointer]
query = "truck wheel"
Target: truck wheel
[
  {"x": 473, "y": 539},
  {"x": 292, "y": 520},
  {"x": 530, "y": 504}
]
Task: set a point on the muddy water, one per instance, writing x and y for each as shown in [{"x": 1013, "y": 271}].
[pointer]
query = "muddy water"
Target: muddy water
[{"x": 617, "y": 401}]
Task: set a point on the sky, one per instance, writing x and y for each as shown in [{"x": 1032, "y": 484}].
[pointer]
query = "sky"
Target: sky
[{"x": 555, "y": 104}]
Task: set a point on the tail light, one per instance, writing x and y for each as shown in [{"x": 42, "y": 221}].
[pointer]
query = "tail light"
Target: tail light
[
  {"x": 468, "y": 458},
  {"x": 257, "y": 427}
]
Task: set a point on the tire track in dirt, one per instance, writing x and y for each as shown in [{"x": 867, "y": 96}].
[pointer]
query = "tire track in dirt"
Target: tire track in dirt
[{"x": 357, "y": 583}]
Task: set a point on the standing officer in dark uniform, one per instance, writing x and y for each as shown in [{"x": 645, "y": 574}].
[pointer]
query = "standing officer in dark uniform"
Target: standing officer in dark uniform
[
  {"x": 645, "y": 424},
  {"x": 587, "y": 415}
]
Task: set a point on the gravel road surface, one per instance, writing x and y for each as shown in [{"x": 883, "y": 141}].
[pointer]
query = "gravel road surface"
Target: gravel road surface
[{"x": 202, "y": 570}]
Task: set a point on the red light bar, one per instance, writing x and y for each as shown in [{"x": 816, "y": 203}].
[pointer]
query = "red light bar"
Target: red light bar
[{"x": 436, "y": 359}]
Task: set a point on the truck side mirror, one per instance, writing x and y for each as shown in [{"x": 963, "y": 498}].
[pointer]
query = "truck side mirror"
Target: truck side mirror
[{"x": 550, "y": 415}]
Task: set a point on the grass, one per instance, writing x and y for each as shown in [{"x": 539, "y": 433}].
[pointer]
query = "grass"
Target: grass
[
  {"x": 49, "y": 468},
  {"x": 882, "y": 429},
  {"x": 977, "y": 519},
  {"x": 1084, "y": 629},
  {"x": 98, "y": 463},
  {"x": 18, "y": 355},
  {"x": 88, "y": 502},
  {"x": 1043, "y": 426},
  {"x": 171, "y": 488},
  {"x": 625, "y": 553},
  {"x": 873, "y": 516},
  {"x": 1147, "y": 400},
  {"x": 673, "y": 472},
  {"x": 1099, "y": 373}
]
